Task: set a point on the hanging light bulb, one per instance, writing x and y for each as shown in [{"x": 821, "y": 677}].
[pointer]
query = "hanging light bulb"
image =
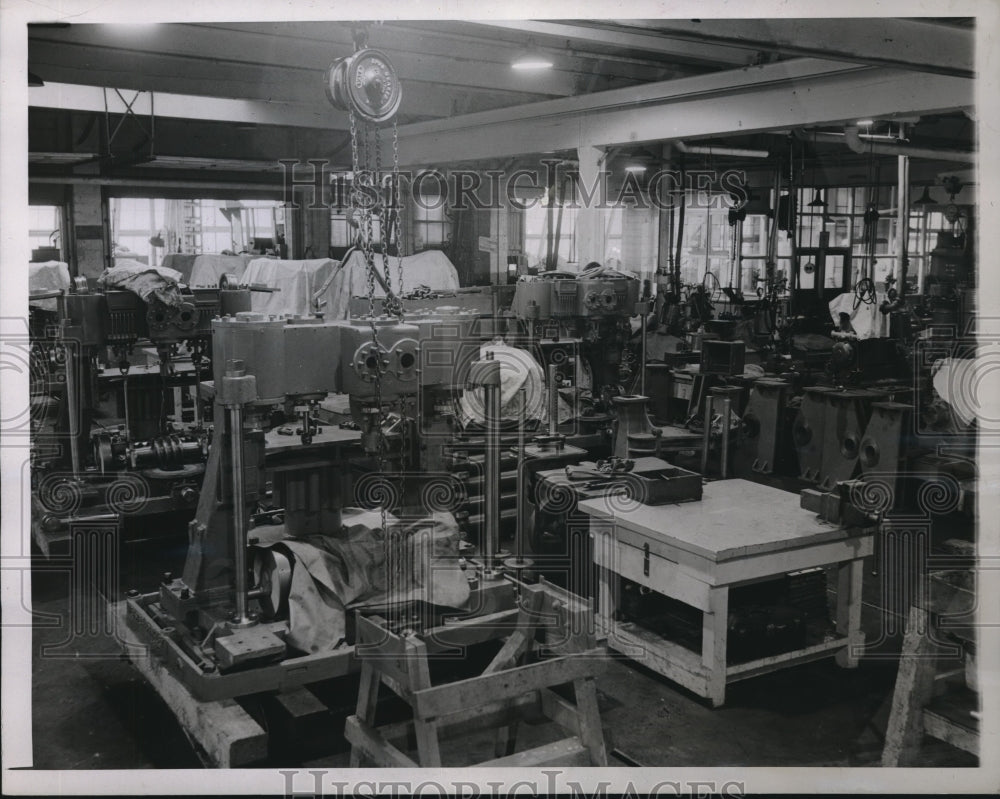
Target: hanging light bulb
[
  {"x": 925, "y": 198},
  {"x": 818, "y": 201}
]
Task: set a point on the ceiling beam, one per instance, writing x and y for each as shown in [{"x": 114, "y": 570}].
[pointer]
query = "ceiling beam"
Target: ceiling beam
[
  {"x": 785, "y": 94},
  {"x": 73, "y": 97},
  {"x": 471, "y": 36},
  {"x": 152, "y": 72},
  {"x": 648, "y": 42},
  {"x": 198, "y": 48},
  {"x": 902, "y": 43},
  {"x": 449, "y": 38}
]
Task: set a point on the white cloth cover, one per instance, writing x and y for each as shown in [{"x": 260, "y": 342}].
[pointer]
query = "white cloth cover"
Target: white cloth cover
[
  {"x": 208, "y": 268},
  {"x": 47, "y": 276},
  {"x": 430, "y": 268},
  {"x": 517, "y": 368},
  {"x": 955, "y": 381},
  {"x": 866, "y": 319},
  {"x": 297, "y": 280}
]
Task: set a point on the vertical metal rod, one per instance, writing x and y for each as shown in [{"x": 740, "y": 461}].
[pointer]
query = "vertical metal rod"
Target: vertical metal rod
[
  {"x": 239, "y": 512},
  {"x": 197, "y": 396},
  {"x": 128, "y": 424},
  {"x": 491, "y": 473},
  {"x": 553, "y": 400},
  {"x": 902, "y": 222},
  {"x": 642, "y": 358},
  {"x": 707, "y": 436},
  {"x": 522, "y": 395},
  {"x": 73, "y": 407},
  {"x": 724, "y": 467}
]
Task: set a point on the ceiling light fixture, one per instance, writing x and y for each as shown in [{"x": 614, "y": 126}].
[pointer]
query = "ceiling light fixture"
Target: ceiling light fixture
[
  {"x": 531, "y": 59},
  {"x": 865, "y": 123},
  {"x": 925, "y": 198},
  {"x": 635, "y": 168},
  {"x": 818, "y": 201}
]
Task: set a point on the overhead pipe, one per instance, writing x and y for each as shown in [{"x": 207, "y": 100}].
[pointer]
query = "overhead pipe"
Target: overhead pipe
[
  {"x": 864, "y": 146},
  {"x": 705, "y": 149}
]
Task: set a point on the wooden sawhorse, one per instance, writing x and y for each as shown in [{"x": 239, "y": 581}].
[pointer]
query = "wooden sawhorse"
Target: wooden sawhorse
[
  {"x": 548, "y": 620},
  {"x": 951, "y": 716}
]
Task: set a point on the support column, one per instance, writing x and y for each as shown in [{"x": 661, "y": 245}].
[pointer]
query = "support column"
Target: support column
[
  {"x": 88, "y": 247},
  {"x": 590, "y": 218}
]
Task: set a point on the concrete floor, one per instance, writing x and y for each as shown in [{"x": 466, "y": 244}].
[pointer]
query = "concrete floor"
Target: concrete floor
[{"x": 91, "y": 710}]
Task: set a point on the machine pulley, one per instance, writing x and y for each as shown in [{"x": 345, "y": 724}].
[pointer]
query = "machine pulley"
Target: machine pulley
[{"x": 365, "y": 82}]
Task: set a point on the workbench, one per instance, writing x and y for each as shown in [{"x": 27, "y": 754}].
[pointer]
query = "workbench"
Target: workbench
[{"x": 738, "y": 533}]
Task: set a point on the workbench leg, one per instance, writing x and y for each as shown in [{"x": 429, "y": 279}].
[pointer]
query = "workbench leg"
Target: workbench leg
[
  {"x": 606, "y": 603},
  {"x": 914, "y": 687},
  {"x": 714, "y": 632},
  {"x": 849, "y": 577},
  {"x": 367, "y": 700}
]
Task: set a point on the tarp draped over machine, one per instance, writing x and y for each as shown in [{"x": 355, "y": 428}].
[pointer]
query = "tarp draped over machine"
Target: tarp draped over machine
[
  {"x": 296, "y": 282},
  {"x": 47, "y": 276},
  {"x": 866, "y": 320},
  {"x": 339, "y": 281},
  {"x": 205, "y": 270},
  {"x": 430, "y": 269},
  {"x": 144, "y": 280},
  {"x": 360, "y": 567}
]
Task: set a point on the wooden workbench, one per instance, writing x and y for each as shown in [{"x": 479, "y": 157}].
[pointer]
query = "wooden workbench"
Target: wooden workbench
[{"x": 740, "y": 532}]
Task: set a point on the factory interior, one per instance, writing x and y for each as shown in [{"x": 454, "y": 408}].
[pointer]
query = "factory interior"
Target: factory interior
[{"x": 437, "y": 393}]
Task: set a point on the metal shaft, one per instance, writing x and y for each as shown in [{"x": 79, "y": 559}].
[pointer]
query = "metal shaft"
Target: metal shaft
[
  {"x": 707, "y": 437},
  {"x": 522, "y": 396},
  {"x": 74, "y": 415},
  {"x": 724, "y": 468},
  {"x": 642, "y": 359},
  {"x": 902, "y": 221},
  {"x": 491, "y": 473},
  {"x": 197, "y": 395},
  {"x": 553, "y": 400},
  {"x": 239, "y": 512}
]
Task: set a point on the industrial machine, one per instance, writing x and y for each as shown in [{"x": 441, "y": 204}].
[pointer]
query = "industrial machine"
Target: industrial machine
[
  {"x": 225, "y": 622},
  {"x": 120, "y": 436},
  {"x": 568, "y": 315}
]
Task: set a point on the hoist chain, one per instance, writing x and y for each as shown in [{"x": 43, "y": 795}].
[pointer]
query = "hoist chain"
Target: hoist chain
[
  {"x": 362, "y": 206},
  {"x": 397, "y": 205}
]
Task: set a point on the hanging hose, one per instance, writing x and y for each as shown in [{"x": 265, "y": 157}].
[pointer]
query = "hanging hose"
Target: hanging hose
[
  {"x": 680, "y": 233},
  {"x": 864, "y": 292}
]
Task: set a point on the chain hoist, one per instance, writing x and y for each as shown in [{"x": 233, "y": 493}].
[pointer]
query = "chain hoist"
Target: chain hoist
[{"x": 365, "y": 85}]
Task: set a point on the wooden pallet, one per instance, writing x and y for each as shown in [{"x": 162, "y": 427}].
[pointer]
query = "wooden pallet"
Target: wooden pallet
[
  {"x": 307, "y": 724},
  {"x": 250, "y": 730}
]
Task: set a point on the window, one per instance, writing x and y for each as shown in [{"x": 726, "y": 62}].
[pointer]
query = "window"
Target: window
[
  {"x": 707, "y": 243},
  {"x": 45, "y": 232},
  {"x": 431, "y": 224},
  {"x": 536, "y": 234},
  {"x": 140, "y": 224}
]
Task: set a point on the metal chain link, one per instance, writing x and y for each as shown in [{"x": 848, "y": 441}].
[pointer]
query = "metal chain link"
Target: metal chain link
[
  {"x": 393, "y": 304},
  {"x": 397, "y": 202},
  {"x": 360, "y": 163}
]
